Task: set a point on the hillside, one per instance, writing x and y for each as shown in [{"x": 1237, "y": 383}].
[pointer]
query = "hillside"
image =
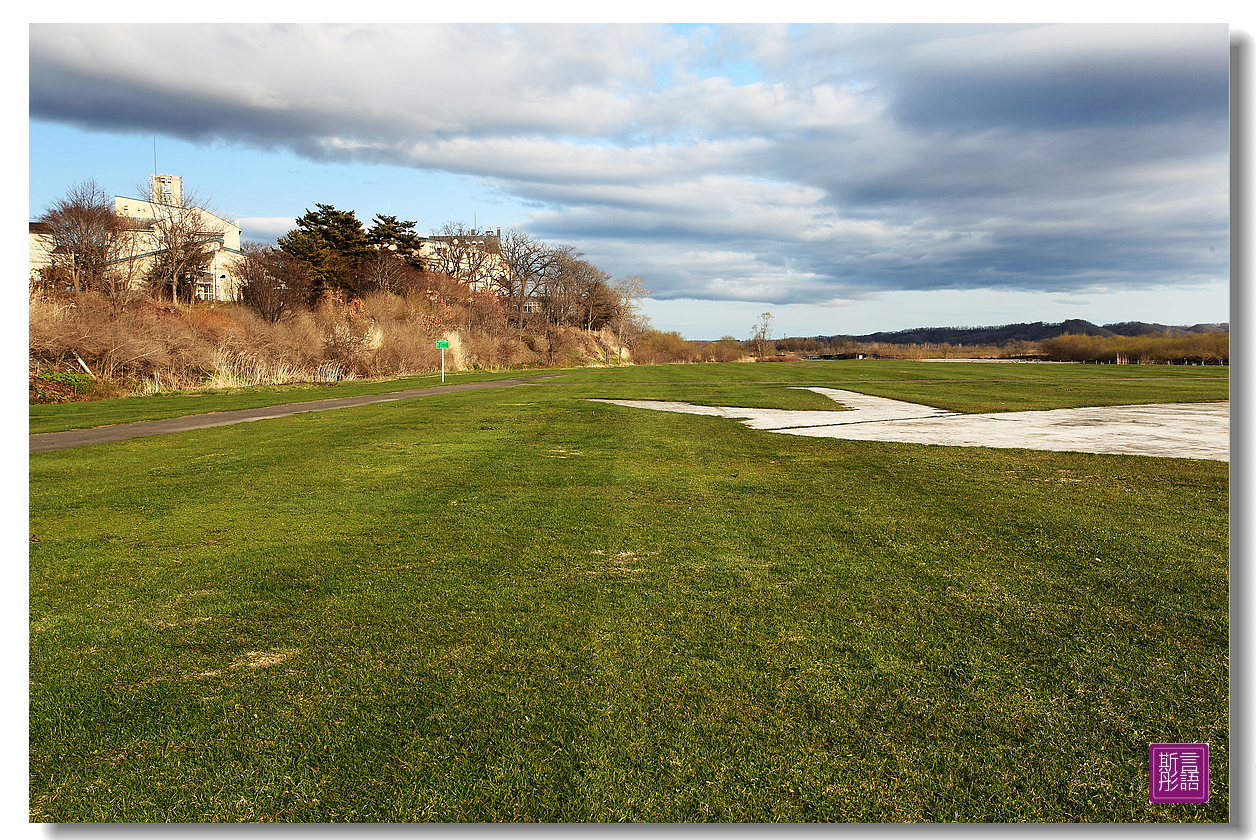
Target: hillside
[{"x": 1036, "y": 331}]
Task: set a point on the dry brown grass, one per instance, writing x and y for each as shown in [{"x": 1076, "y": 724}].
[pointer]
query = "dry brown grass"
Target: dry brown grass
[{"x": 143, "y": 347}]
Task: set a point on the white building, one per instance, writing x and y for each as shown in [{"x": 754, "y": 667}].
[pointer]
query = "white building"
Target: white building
[
  {"x": 472, "y": 256},
  {"x": 146, "y": 223},
  {"x": 164, "y": 206}
]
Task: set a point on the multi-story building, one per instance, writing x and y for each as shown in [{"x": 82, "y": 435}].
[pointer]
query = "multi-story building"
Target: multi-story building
[
  {"x": 164, "y": 209},
  {"x": 472, "y": 256},
  {"x": 41, "y": 248},
  {"x": 150, "y": 227}
]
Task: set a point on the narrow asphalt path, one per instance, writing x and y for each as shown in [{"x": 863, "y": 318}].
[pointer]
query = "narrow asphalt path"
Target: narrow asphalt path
[{"x": 51, "y": 441}]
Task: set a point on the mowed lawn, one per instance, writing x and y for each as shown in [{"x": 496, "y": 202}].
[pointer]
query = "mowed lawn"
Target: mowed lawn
[{"x": 518, "y": 605}]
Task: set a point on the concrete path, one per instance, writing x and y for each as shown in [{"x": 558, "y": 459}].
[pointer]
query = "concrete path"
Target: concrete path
[
  {"x": 107, "y": 434},
  {"x": 1186, "y": 430}
]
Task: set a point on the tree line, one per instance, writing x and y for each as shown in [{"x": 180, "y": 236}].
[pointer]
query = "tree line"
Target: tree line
[
  {"x": 500, "y": 281},
  {"x": 1212, "y": 348},
  {"x": 1204, "y": 348},
  {"x": 330, "y": 252}
]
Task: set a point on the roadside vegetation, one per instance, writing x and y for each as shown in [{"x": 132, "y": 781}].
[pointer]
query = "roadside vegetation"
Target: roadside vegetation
[
  {"x": 335, "y": 299},
  {"x": 84, "y": 347},
  {"x": 146, "y": 347},
  {"x": 520, "y": 605},
  {"x": 1208, "y": 348}
]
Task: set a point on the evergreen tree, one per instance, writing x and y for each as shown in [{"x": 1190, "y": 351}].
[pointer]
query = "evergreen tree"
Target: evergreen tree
[
  {"x": 331, "y": 243},
  {"x": 388, "y": 230},
  {"x": 388, "y": 233}
]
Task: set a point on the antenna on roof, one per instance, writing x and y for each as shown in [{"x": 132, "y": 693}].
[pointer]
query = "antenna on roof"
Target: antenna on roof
[{"x": 155, "y": 169}]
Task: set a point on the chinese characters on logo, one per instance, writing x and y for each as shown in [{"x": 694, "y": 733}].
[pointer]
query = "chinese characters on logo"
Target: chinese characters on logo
[{"x": 1178, "y": 773}]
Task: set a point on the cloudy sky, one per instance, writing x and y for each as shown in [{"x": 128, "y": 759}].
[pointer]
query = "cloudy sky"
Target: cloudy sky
[{"x": 846, "y": 178}]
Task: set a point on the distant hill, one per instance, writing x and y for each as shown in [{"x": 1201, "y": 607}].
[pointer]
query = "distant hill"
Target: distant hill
[{"x": 1037, "y": 331}]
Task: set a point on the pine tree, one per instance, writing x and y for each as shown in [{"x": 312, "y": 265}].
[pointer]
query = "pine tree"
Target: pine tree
[
  {"x": 331, "y": 243},
  {"x": 387, "y": 232}
]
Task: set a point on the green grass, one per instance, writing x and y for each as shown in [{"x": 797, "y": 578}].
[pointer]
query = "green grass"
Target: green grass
[
  {"x": 520, "y": 605},
  {"x": 60, "y": 417},
  {"x": 986, "y": 388}
]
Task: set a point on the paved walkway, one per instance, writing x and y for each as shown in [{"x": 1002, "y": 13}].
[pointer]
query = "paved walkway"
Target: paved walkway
[
  {"x": 1185, "y": 430},
  {"x": 107, "y": 434}
]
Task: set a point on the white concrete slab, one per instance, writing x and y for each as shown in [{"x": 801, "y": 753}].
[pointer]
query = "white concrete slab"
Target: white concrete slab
[{"x": 1179, "y": 430}]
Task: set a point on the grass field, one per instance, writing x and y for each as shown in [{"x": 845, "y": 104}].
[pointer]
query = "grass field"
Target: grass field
[
  {"x": 517, "y": 605},
  {"x": 997, "y": 387}
]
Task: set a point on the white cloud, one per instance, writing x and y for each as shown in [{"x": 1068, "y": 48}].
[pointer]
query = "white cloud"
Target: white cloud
[
  {"x": 764, "y": 162},
  {"x": 265, "y": 228}
]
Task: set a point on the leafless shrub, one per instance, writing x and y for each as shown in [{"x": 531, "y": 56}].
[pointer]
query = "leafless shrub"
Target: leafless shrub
[
  {"x": 655, "y": 347},
  {"x": 405, "y": 340},
  {"x": 1193, "y": 348},
  {"x": 727, "y": 349},
  {"x": 272, "y": 283},
  {"x": 158, "y": 347}
]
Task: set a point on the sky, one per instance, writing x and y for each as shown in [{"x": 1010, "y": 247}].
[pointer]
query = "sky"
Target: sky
[{"x": 847, "y": 178}]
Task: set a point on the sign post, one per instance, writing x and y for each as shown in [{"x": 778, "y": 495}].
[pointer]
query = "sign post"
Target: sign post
[{"x": 443, "y": 344}]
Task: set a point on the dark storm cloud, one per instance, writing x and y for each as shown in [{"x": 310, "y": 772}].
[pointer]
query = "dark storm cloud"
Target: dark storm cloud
[
  {"x": 782, "y": 164},
  {"x": 1061, "y": 84},
  {"x": 1078, "y": 97},
  {"x": 100, "y": 103}
]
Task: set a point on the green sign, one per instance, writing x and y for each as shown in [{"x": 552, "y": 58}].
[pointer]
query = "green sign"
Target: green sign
[{"x": 442, "y": 344}]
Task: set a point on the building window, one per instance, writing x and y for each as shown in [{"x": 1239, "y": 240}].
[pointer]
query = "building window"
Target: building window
[{"x": 205, "y": 287}]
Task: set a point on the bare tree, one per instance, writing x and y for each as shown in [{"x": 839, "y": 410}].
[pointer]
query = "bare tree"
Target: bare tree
[
  {"x": 629, "y": 322},
  {"x": 761, "y": 334},
  {"x": 385, "y": 270},
  {"x": 271, "y": 282},
  {"x": 566, "y": 286},
  {"x": 581, "y": 291},
  {"x": 95, "y": 248},
  {"x": 125, "y": 278},
  {"x": 600, "y": 302},
  {"x": 525, "y": 262},
  {"x": 184, "y": 234},
  {"x": 84, "y": 230},
  {"x": 466, "y": 253}
]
